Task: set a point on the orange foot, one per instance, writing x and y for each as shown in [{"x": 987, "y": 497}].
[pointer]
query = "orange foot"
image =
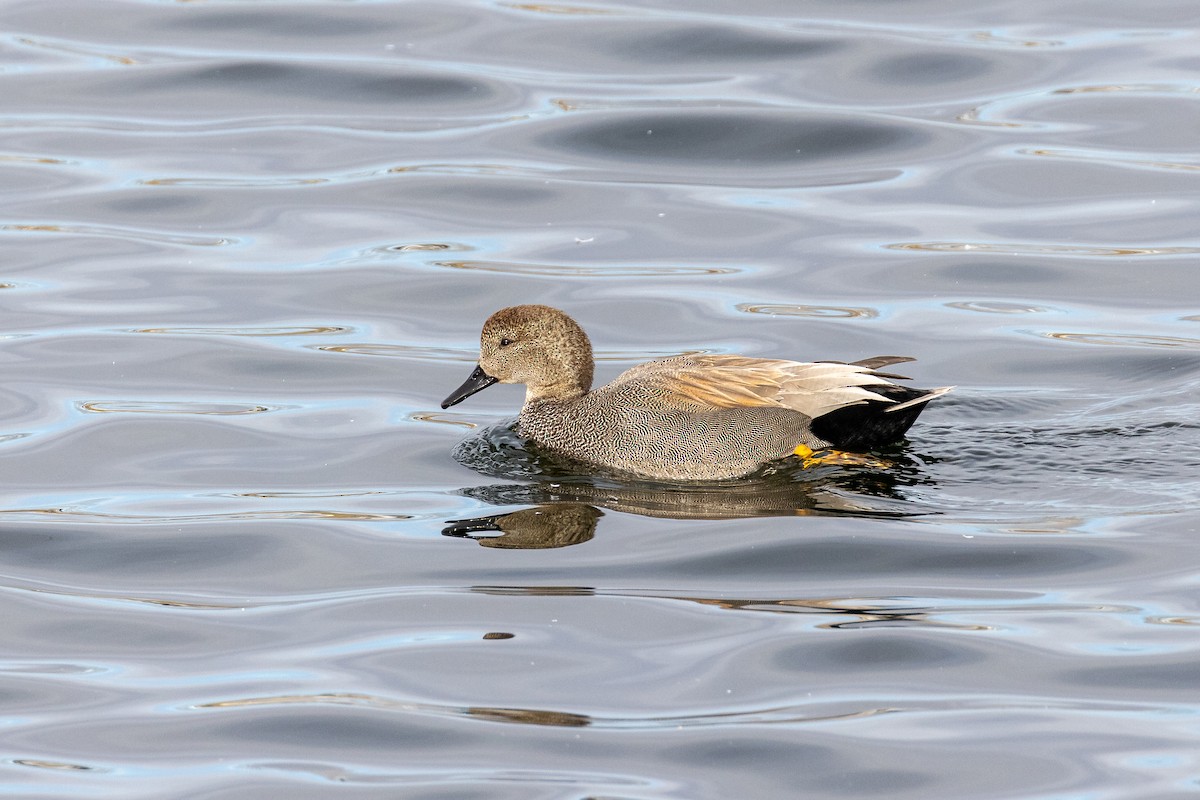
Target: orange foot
[{"x": 817, "y": 458}]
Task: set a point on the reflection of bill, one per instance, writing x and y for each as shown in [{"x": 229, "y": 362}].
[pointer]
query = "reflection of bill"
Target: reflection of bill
[{"x": 558, "y": 525}]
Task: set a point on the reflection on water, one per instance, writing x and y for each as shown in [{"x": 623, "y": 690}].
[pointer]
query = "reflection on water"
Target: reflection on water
[
  {"x": 997, "y": 307},
  {"x": 589, "y": 270},
  {"x": 1019, "y": 248},
  {"x": 172, "y": 407},
  {"x": 1127, "y": 340},
  {"x": 92, "y": 231},
  {"x": 565, "y": 494},
  {"x": 566, "y": 521},
  {"x": 309, "y": 330},
  {"x": 808, "y": 311},
  {"x": 533, "y": 528}
]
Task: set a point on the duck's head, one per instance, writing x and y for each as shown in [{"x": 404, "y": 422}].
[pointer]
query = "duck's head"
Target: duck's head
[{"x": 538, "y": 346}]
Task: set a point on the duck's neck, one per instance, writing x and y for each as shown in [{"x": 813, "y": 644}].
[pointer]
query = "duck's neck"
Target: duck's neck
[
  {"x": 563, "y": 391},
  {"x": 567, "y": 375}
]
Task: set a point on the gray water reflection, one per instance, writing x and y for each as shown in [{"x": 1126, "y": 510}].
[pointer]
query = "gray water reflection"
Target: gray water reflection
[
  {"x": 829, "y": 491},
  {"x": 248, "y": 246},
  {"x": 564, "y": 518},
  {"x": 540, "y": 527}
]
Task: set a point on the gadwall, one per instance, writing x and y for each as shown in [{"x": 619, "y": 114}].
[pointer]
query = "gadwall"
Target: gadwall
[{"x": 693, "y": 417}]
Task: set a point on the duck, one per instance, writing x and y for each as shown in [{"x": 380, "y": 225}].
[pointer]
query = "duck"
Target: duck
[{"x": 702, "y": 417}]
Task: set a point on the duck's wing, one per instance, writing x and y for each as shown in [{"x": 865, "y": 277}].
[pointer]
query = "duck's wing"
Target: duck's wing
[
  {"x": 707, "y": 382},
  {"x": 876, "y": 362}
]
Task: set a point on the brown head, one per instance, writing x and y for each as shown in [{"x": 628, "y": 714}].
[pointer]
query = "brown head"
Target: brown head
[{"x": 538, "y": 346}]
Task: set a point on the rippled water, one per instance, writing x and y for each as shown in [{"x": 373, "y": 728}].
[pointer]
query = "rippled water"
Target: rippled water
[{"x": 247, "y": 250}]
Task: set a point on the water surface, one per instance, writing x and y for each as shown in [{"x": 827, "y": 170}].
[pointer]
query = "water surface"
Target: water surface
[{"x": 248, "y": 249}]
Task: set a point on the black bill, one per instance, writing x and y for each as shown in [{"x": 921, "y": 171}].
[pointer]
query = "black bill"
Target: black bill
[{"x": 478, "y": 381}]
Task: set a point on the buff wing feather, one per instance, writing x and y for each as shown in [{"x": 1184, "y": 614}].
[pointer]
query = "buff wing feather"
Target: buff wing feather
[{"x": 700, "y": 383}]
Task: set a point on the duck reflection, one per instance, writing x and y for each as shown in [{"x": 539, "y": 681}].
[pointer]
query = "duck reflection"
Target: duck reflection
[
  {"x": 566, "y": 507},
  {"x": 539, "y": 528},
  {"x": 528, "y": 716}
]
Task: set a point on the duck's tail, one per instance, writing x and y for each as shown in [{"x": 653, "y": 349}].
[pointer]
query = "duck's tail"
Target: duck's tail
[
  {"x": 920, "y": 400},
  {"x": 873, "y": 424}
]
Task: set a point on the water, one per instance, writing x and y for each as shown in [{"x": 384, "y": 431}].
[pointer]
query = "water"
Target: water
[{"x": 247, "y": 251}]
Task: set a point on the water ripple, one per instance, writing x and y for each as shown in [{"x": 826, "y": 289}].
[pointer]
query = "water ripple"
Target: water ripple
[
  {"x": 274, "y": 84},
  {"x": 558, "y": 8},
  {"x": 728, "y": 137},
  {"x": 998, "y": 307},
  {"x": 75, "y": 49},
  {"x": 1126, "y": 340},
  {"x": 420, "y": 247},
  {"x": 120, "y": 233},
  {"x": 976, "y": 116},
  {"x": 816, "y": 712},
  {"x": 111, "y": 597},
  {"x": 1110, "y": 158},
  {"x": 1019, "y": 248},
  {"x": 808, "y": 311},
  {"x": 1137, "y": 88},
  {"x": 489, "y": 782},
  {"x": 419, "y": 352},
  {"x": 233, "y": 183},
  {"x": 309, "y": 493},
  {"x": 81, "y": 515},
  {"x": 551, "y": 717},
  {"x": 22, "y": 159},
  {"x": 442, "y": 419},
  {"x": 265, "y": 182},
  {"x": 283, "y": 330},
  {"x": 175, "y": 407},
  {"x": 992, "y": 38},
  {"x": 56, "y": 765},
  {"x": 584, "y": 271}
]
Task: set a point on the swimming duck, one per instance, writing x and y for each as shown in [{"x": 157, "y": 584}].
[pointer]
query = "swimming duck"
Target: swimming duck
[{"x": 690, "y": 417}]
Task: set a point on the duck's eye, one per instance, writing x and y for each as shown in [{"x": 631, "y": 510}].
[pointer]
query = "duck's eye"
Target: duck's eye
[{"x": 505, "y": 342}]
